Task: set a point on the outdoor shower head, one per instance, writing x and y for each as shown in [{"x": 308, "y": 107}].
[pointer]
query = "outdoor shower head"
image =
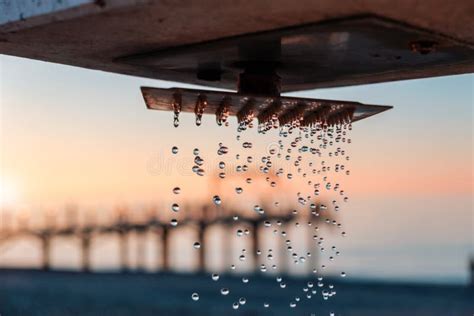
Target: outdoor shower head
[
  {"x": 261, "y": 66},
  {"x": 270, "y": 111}
]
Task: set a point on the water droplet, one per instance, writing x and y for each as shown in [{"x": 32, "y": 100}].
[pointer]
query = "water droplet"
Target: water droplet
[
  {"x": 225, "y": 291},
  {"x": 176, "y": 190},
  {"x": 196, "y": 151},
  {"x": 239, "y": 190},
  {"x": 242, "y": 301},
  {"x": 217, "y": 200},
  {"x": 242, "y": 257},
  {"x": 292, "y": 304},
  {"x": 266, "y": 305},
  {"x": 175, "y": 207},
  {"x": 195, "y": 297},
  {"x": 174, "y": 222},
  {"x": 198, "y": 161},
  {"x": 343, "y": 274},
  {"x": 174, "y": 150},
  {"x": 245, "y": 280},
  {"x": 235, "y": 305},
  {"x": 196, "y": 245},
  {"x": 215, "y": 277},
  {"x": 222, "y": 150}
]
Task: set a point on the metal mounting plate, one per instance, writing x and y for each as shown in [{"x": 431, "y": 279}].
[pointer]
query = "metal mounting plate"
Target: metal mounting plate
[{"x": 345, "y": 50}]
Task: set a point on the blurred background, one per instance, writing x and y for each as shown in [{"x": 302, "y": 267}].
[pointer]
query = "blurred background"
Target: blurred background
[{"x": 87, "y": 172}]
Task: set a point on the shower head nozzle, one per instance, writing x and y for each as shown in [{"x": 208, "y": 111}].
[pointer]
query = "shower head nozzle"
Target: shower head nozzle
[{"x": 270, "y": 110}]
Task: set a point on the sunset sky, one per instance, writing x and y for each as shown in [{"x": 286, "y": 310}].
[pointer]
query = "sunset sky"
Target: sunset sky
[{"x": 70, "y": 135}]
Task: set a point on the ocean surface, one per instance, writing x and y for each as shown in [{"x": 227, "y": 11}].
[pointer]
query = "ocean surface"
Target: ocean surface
[{"x": 37, "y": 293}]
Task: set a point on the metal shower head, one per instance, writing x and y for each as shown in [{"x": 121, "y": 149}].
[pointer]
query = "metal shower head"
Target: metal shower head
[{"x": 270, "y": 111}]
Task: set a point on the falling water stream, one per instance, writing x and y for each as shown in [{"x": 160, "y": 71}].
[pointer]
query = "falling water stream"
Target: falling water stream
[{"x": 302, "y": 153}]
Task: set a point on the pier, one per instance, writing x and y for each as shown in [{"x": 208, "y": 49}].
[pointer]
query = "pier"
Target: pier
[{"x": 124, "y": 222}]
